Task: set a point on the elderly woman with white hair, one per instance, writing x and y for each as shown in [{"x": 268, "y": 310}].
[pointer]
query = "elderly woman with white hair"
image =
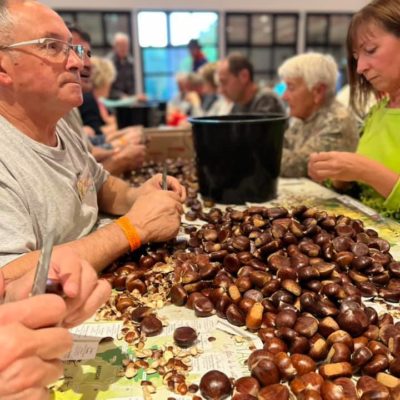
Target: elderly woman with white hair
[{"x": 319, "y": 122}]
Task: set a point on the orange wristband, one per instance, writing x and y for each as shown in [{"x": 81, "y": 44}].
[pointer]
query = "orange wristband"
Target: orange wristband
[{"x": 130, "y": 232}]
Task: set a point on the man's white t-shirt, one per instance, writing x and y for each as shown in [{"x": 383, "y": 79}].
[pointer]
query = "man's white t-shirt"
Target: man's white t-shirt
[{"x": 45, "y": 188}]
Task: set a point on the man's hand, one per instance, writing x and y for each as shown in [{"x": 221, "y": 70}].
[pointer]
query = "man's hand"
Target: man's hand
[
  {"x": 155, "y": 183},
  {"x": 131, "y": 134},
  {"x": 193, "y": 98},
  {"x": 156, "y": 215},
  {"x": 83, "y": 290},
  {"x": 31, "y": 346},
  {"x": 130, "y": 157}
]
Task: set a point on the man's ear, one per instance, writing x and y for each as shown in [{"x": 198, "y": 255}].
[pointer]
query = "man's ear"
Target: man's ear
[
  {"x": 244, "y": 75},
  {"x": 5, "y": 78},
  {"x": 319, "y": 93}
]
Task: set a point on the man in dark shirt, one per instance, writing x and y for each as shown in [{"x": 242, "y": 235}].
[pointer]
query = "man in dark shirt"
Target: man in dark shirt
[
  {"x": 124, "y": 84},
  {"x": 235, "y": 76},
  {"x": 197, "y": 55}
]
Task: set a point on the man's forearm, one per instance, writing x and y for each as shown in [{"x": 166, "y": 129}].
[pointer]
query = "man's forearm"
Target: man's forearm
[
  {"x": 116, "y": 196},
  {"x": 100, "y": 249}
]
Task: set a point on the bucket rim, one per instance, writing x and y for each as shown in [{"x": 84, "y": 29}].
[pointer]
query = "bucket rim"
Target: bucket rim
[{"x": 213, "y": 119}]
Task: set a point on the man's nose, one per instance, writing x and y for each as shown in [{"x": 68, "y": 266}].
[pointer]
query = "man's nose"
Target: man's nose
[{"x": 74, "y": 61}]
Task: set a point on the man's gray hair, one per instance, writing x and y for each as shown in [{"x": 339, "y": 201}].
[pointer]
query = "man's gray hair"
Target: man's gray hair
[
  {"x": 313, "y": 68},
  {"x": 6, "y": 23},
  {"x": 120, "y": 36}
]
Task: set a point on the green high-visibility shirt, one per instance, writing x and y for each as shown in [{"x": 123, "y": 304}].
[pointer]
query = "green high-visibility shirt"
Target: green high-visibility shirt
[{"x": 380, "y": 141}]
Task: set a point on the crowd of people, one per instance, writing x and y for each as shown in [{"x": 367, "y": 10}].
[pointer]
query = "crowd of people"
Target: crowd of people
[{"x": 51, "y": 180}]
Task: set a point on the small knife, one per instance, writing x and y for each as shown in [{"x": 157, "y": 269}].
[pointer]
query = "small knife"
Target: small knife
[
  {"x": 164, "y": 184},
  {"x": 42, "y": 284}
]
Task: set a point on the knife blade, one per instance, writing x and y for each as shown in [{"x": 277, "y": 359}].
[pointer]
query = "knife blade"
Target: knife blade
[
  {"x": 42, "y": 270},
  {"x": 164, "y": 184}
]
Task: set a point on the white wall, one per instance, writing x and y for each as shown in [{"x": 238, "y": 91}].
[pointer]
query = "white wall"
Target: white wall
[{"x": 250, "y": 5}]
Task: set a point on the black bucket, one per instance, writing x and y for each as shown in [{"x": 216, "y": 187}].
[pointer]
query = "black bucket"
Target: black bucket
[
  {"x": 146, "y": 114},
  {"x": 238, "y": 157}
]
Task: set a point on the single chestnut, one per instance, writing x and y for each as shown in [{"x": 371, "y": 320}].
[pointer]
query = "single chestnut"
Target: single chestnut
[
  {"x": 275, "y": 391},
  {"x": 266, "y": 372},
  {"x": 254, "y": 316},
  {"x": 235, "y": 315},
  {"x": 303, "y": 364},
  {"x": 306, "y": 326},
  {"x": 309, "y": 381},
  {"x": 185, "y": 336},
  {"x": 369, "y": 388},
  {"x": 151, "y": 326},
  {"x": 203, "y": 307},
  {"x": 141, "y": 312},
  {"x": 336, "y": 370},
  {"x": 215, "y": 385},
  {"x": 247, "y": 385},
  {"x": 178, "y": 295},
  {"x": 339, "y": 352}
]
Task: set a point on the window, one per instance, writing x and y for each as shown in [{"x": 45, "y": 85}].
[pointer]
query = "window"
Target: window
[
  {"x": 326, "y": 33},
  {"x": 101, "y": 26},
  {"x": 164, "y": 50},
  {"x": 267, "y": 39}
]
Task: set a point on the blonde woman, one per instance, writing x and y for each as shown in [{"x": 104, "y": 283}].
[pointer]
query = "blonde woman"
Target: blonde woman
[{"x": 94, "y": 112}]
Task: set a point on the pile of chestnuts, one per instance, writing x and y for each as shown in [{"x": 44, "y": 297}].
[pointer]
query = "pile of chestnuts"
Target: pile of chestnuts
[{"x": 298, "y": 280}]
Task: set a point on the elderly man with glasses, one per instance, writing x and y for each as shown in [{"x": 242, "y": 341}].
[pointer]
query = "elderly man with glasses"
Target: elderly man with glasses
[{"x": 48, "y": 180}]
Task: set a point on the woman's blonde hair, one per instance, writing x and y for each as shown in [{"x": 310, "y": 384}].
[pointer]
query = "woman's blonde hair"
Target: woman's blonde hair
[
  {"x": 103, "y": 72},
  {"x": 208, "y": 72}
]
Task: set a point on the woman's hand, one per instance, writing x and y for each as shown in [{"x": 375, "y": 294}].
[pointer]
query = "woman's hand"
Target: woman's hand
[{"x": 336, "y": 165}]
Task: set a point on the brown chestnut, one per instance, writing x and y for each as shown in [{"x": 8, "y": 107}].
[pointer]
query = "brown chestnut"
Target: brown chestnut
[
  {"x": 178, "y": 295},
  {"x": 151, "y": 326},
  {"x": 306, "y": 326},
  {"x": 203, "y": 307},
  {"x": 185, "y": 336},
  {"x": 215, "y": 385},
  {"x": 247, "y": 385},
  {"x": 140, "y": 312},
  {"x": 303, "y": 364},
  {"x": 336, "y": 370},
  {"x": 275, "y": 391},
  {"x": 235, "y": 315},
  {"x": 266, "y": 372}
]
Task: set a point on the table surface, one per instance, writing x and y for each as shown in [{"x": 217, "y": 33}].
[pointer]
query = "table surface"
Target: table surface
[{"x": 99, "y": 378}]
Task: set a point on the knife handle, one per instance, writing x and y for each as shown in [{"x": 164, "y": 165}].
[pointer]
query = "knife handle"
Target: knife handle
[{"x": 54, "y": 287}]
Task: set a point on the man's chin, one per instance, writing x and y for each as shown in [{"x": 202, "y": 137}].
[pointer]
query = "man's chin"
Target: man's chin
[{"x": 75, "y": 101}]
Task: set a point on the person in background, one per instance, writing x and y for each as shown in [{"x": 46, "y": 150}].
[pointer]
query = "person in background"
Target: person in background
[
  {"x": 34, "y": 331},
  {"x": 236, "y": 83},
  {"x": 48, "y": 180},
  {"x": 178, "y": 107},
  {"x": 117, "y": 159},
  {"x": 124, "y": 84},
  {"x": 194, "y": 92},
  {"x": 207, "y": 100},
  {"x": 198, "y": 57},
  {"x": 319, "y": 122},
  {"x": 373, "y": 51}
]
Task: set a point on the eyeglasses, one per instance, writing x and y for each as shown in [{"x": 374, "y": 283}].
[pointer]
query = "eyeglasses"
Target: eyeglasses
[{"x": 53, "y": 47}]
